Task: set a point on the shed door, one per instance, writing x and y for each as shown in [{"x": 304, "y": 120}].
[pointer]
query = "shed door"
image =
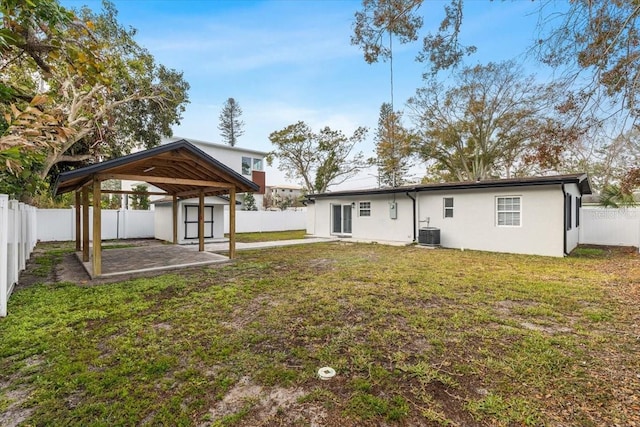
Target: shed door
[{"x": 191, "y": 222}]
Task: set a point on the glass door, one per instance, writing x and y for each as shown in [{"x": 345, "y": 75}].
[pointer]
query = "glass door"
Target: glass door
[{"x": 341, "y": 216}]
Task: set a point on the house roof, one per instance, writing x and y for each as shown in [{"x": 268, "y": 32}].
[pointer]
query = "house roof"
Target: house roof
[
  {"x": 580, "y": 179},
  {"x": 216, "y": 145},
  {"x": 178, "y": 168}
]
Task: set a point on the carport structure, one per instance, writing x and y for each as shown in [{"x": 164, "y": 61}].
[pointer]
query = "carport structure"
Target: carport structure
[{"x": 179, "y": 169}]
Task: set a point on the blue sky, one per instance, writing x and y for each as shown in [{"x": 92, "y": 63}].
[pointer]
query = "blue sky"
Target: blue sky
[{"x": 290, "y": 60}]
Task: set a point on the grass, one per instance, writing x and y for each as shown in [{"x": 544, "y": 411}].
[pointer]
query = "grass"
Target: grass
[
  {"x": 269, "y": 236},
  {"x": 416, "y": 337}
]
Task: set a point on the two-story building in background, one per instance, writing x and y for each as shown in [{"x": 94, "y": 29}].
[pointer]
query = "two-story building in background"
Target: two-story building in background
[
  {"x": 249, "y": 163},
  {"x": 277, "y": 196}
]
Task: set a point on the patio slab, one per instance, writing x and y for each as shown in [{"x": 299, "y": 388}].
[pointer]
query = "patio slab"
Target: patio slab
[{"x": 149, "y": 258}]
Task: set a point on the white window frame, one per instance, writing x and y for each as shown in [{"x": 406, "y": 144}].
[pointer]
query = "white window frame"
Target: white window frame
[
  {"x": 364, "y": 207},
  {"x": 252, "y": 164},
  {"x": 246, "y": 161},
  {"x": 512, "y": 211},
  {"x": 446, "y": 208}
]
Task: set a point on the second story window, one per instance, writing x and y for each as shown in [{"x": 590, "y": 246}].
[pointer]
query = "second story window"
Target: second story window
[
  {"x": 251, "y": 164},
  {"x": 246, "y": 166}
]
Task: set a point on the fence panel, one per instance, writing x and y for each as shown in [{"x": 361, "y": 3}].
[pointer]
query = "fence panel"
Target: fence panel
[
  {"x": 56, "y": 225},
  {"x": 607, "y": 226},
  {"x": 17, "y": 240},
  {"x": 263, "y": 221},
  {"x": 4, "y": 253},
  {"x": 137, "y": 224},
  {"x": 116, "y": 224}
]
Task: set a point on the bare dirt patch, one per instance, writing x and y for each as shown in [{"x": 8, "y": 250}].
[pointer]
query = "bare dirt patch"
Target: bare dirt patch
[{"x": 264, "y": 404}]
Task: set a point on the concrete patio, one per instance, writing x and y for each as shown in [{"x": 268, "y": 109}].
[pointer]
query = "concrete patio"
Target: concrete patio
[{"x": 154, "y": 255}]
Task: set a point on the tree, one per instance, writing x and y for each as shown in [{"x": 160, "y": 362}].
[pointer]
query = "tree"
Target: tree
[
  {"x": 319, "y": 159},
  {"x": 140, "y": 199},
  {"x": 230, "y": 124},
  {"x": 30, "y": 31},
  {"x": 400, "y": 18},
  {"x": 249, "y": 202},
  {"x": 110, "y": 200},
  {"x": 602, "y": 40},
  {"x": 107, "y": 93},
  {"x": 486, "y": 124},
  {"x": 394, "y": 148}
]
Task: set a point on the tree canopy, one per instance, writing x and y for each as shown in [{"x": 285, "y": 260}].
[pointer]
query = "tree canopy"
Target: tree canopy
[
  {"x": 487, "y": 123},
  {"x": 401, "y": 18},
  {"x": 318, "y": 159},
  {"x": 105, "y": 93}
]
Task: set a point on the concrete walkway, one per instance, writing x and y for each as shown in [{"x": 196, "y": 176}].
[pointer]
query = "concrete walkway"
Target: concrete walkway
[{"x": 224, "y": 246}]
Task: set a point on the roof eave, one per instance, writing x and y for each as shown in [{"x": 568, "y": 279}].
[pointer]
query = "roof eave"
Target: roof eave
[{"x": 580, "y": 179}]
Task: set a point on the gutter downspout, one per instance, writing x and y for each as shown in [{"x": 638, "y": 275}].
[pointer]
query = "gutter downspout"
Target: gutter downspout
[
  {"x": 564, "y": 221},
  {"x": 414, "y": 215}
]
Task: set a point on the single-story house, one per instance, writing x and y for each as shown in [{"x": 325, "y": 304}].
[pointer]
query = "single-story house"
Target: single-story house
[{"x": 537, "y": 215}]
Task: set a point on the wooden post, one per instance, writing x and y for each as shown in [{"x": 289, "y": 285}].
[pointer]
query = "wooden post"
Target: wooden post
[
  {"x": 85, "y": 224},
  {"x": 232, "y": 223},
  {"x": 201, "y": 222},
  {"x": 78, "y": 229},
  {"x": 97, "y": 228},
  {"x": 175, "y": 219}
]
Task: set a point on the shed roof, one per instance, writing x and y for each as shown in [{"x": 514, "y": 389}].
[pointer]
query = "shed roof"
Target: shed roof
[
  {"x": 178, "y": 168},
  {"x": 580, "y": 179}
]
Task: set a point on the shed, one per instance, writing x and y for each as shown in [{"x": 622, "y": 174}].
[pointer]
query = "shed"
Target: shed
[{"x": 187, "y": 220}]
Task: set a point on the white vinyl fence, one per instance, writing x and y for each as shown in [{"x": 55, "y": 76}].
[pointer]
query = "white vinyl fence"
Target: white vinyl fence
[
  {"x": 607, "y": 226},
  {"x": 59, "y": 224},
  {"x": 262, "y": 221},
  {"x": 17, "y": 240}
]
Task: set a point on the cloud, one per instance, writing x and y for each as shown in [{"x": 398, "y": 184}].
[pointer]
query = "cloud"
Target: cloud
[{"x": 254, "y": 43}]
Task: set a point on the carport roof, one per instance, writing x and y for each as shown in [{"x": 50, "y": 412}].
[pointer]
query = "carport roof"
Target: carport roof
[{"x": 178, "y": 168}]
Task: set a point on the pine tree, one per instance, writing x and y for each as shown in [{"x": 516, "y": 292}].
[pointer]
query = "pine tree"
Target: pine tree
[
  {"x": 393, "y": 148},
  {"x": 230, "y": 124}
]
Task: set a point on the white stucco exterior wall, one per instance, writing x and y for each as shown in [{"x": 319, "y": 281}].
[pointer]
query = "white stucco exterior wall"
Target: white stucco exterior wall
[
  {"x": 311, "y": 218},
  {"x": 163, "y": 222},
  {"x": 377, "y": 227},
  {"x": 573, "y": 235},
  {"x": 474, "y": 222}
]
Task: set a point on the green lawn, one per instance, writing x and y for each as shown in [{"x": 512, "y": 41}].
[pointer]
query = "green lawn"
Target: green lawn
[
  {"x": 416, "y": 336},
  {"x": 269, "y": 236}
]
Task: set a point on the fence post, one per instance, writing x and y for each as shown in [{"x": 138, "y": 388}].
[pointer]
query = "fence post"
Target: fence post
[
  {"x": 4, "y": 253},
  {"x": 22, "y": 255},
  {"x": 15, "y": 239}
]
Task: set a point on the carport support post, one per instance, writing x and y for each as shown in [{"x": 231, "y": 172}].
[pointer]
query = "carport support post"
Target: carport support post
[
  {"x": 201, "y": 221},
  {"x": 97, "y": 228},
  {"x": 77, "y": 213},
  {"x": 175, "y": 219},
  {"x": 232, "y": 223},
  {"x": 85, "y": 224}
]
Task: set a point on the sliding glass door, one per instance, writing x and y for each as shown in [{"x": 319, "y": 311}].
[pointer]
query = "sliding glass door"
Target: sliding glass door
[{"x": 341, "y": 219}]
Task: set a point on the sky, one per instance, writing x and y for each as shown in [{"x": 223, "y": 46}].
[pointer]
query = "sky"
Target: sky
[{"x": 286, "y": 61}]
